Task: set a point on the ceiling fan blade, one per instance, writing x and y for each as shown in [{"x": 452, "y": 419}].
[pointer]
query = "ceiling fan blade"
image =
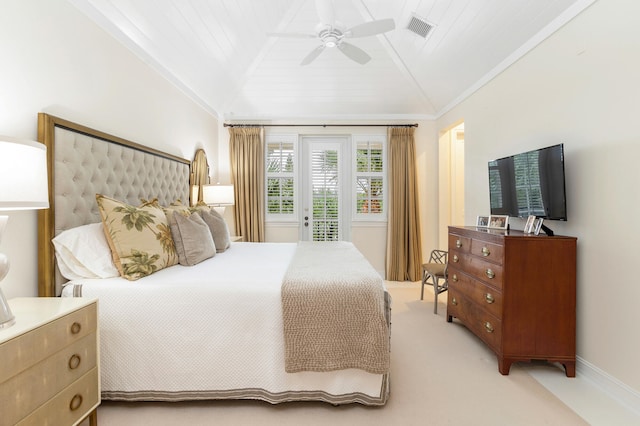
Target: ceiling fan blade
[
  {"x": 325, "y": 11},
  {"x": 292, "y": 35},
  {"x": 354, "y": 53},
  {"x": 371, "y": 28},
  {"x": 312, "y": 55}
]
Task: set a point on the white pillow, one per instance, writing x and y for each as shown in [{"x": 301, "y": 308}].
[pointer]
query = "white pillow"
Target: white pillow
[{"x": 83, "y": 252}]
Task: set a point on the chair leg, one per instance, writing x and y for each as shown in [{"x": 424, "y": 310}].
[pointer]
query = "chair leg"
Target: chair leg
[
  {"x": 435, "y": 290},
  {"x": 422, "y": 291}
]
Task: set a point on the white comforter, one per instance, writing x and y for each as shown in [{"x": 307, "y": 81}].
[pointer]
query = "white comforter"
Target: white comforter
[{"x": 206, "y": 331}]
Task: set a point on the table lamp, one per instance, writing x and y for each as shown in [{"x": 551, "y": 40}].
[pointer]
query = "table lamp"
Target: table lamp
[
  {"x": 23, "y": 186},
  {"x": 218, "y": 196}
]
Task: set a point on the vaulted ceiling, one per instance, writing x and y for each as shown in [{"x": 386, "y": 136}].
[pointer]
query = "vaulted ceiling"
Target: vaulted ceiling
[{"x": 222, "y": 53}]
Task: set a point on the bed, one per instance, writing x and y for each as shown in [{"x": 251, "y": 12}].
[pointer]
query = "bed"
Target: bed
[{"x": 230, "y": 327}]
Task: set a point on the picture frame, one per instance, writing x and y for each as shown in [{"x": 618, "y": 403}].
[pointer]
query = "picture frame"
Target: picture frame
[
  {"x": 537, "y": 225},
  {"x": 497, "y": 221},
  {"x": 528, "y": 227},
  {"x": 482, "y": 221}
]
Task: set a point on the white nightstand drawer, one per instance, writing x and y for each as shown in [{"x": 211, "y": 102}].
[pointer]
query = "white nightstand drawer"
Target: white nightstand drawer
[
  {"x": 69, "y": 406},
  {"x": 49, "y": 362},
  {"x": 36, "y": 385},
  {"x": 32, "y": 347}
]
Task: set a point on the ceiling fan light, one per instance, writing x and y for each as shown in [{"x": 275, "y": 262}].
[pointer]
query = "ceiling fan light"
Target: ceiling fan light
[{"x": 330, "y": 43}]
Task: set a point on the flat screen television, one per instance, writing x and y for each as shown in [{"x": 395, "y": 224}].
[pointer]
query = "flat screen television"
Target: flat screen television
[{"x": 530, "y": 183}]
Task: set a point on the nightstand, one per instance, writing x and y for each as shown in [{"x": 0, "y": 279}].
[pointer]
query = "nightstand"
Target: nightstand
[{"x": 49, "y": 374}]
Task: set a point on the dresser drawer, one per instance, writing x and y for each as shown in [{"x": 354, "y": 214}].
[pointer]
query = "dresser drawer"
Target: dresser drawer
[
  {"x": 487, "y": 298},
  {"x": 69, "y": 406},
  {"x": 480, "y": 322},
  {"x": 458, "y": 259},
  {"x": 455, "y": 304},
  {"x": 28, "y": 349},
  {"x": 34, "y": 386},
  {"x": 460, "y": 243},
  {"x": 489, "y": 251},
  {"x": 484, "y": 271},
  {"x": 484, "y": 325}
]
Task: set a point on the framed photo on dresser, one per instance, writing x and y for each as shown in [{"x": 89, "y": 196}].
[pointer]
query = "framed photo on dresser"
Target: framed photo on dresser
[
  {"x": 528, "y": 227},
  {"x": 497, "y": 221},
  {"x": 482, "y": 221},
  {"x": 537, "y": 225}
]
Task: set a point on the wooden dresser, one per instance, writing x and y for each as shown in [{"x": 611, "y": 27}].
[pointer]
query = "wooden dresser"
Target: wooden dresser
[
  {"x": 49, "y": 362},
  {"x": 515, "y": 291}
]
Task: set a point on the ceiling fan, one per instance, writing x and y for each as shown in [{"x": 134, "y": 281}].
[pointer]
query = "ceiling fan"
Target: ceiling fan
[{"x": 332, "y": 33}]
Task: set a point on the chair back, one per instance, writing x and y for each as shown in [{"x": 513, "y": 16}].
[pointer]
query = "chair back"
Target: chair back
[{"x": 438, "y": 256}]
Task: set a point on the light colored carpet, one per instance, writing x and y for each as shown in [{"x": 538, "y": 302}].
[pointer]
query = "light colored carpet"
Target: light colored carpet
[{"x": 441, "y": 374}]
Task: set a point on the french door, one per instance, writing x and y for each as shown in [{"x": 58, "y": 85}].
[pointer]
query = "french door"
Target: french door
[{"x": 325, "y": 199}]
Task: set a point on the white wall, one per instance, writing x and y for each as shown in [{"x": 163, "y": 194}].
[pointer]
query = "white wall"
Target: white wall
[
  {"x": 55, "y": 60},
  {"x": 580, "y": 87}
]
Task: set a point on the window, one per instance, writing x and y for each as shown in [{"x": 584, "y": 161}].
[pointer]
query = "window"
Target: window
[
  {"x": 370, "y": 177},
  {"x": 281, "y": 188}
]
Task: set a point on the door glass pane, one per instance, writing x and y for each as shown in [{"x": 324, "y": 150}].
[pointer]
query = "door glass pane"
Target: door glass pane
[{"x": 325, "y": 195}]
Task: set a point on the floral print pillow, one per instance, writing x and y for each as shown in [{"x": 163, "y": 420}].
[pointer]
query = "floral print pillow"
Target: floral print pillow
[{"x": 139, "y": 237}]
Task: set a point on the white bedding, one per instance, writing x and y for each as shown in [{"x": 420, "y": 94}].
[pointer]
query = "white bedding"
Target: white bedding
[{"x": 213, "y": 330}]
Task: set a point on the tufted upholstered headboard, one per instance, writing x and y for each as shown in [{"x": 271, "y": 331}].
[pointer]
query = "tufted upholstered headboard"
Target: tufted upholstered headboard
[{"x": 83, "y": 162}]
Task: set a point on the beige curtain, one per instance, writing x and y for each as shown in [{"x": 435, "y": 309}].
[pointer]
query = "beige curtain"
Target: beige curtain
[
  {"x": 404, "y": 252},
  {"x": 247, "y": 171}
]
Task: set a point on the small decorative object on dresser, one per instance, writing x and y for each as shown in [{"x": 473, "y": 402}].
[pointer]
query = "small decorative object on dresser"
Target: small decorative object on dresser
[
  {"x": 516, "y": 292},
  {"x": 482, "y": 221},
  {"x": 537, "y": 225},
  {"x": 528, "y": 227},
  {"x": 498, "y": 221},
  {"x": 50, "y": 366}
]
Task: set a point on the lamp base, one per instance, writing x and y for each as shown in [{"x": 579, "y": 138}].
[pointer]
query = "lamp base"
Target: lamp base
[{"x": 6, "y": 316}]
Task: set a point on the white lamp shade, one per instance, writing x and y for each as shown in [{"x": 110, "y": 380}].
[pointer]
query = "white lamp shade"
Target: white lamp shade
[
  {"x": 23, "y": 175},
  {"x": 218, "y": 195}
]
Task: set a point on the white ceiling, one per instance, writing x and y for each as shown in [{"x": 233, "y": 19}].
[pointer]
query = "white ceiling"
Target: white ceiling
[{"x": 220, "y": 53}]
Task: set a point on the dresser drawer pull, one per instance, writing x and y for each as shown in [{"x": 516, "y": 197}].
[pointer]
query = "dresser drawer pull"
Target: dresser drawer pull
[
  {"x": 454, "y": 301},
  {"x": 75, "y": 328},
  {"x": 488, "y": 297},
  {"x": 490, "y": 274},
  {"x": 488, "y": 327},
  {"x": 458, "y": 243},
  {"x": 456, "y": 259},
  {"x": 76, "y": 402},
  {"x": 485, "y": 251},
  {"x": 74, "y": 361},
  {"x": 454, "y": 278}
]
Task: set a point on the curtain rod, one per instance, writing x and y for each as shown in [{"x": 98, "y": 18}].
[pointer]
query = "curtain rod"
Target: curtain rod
[{"x": 320, "y": 125}]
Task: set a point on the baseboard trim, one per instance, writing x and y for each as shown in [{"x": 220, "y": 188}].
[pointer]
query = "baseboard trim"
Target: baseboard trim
[{"x": 614, "y": 388}]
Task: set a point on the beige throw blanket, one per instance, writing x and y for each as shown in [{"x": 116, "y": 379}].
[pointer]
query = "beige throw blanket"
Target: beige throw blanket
[{"x": 334, "y": 311}]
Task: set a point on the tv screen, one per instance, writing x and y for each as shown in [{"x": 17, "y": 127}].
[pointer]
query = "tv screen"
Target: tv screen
[{"x": 530, "y": 183}]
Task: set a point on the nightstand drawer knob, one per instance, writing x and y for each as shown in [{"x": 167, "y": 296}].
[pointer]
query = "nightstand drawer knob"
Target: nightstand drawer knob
[
  {"x": 488, "y": 297},
  {"x": 490, "y": 274},
  {"x": 75, "y": 328},
  {"x": 458, "y": 243},
  {"x": 74, "y": 361},
  {"x": 456, "y": 259},
  {"x": 485, "y": 251},
  {"x": 454, "y": 301},
  {"x": 454, "y": 278},
  {"x": 76, "y": 402},
  {"x": 488, "y": 327}
]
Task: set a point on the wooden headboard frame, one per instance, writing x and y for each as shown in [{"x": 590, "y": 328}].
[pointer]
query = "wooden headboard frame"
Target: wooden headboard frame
[{"x": 83, "y": 162}]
